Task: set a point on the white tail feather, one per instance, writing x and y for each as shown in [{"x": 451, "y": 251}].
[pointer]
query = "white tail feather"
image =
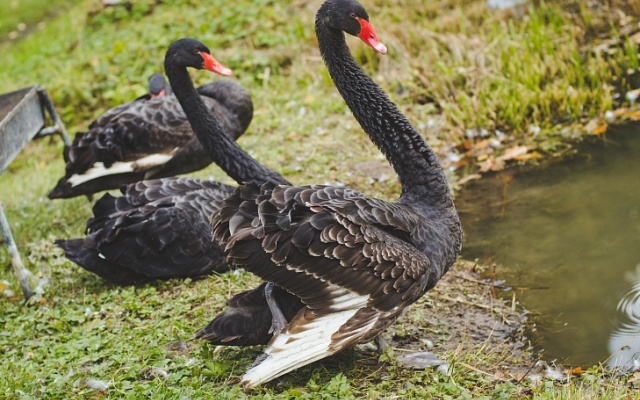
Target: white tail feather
[{"x": 312, "y": 341}]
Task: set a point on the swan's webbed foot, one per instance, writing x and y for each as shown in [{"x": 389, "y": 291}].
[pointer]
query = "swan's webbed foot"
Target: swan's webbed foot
[
  {"x": 381, "y": 344},
  {"x": 375, "y": 346},
  {"x": 278, "y": 321}
]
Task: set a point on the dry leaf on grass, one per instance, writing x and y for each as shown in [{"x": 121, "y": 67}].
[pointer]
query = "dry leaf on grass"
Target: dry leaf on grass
[
  {"x": 469, "y": 178},
  {"x": 627, "y": 114},
  {"x": 635, "y": 377},
  {"x": 514, "y": 152},
  {"x": 491, "y": 163},
  {"x": 577, "y": 371}
]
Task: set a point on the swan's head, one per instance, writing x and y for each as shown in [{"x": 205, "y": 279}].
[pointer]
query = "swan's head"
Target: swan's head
[
  {"x": 351, "y": 17},
  {"x": 193, "y": 53},
  {"x": 158, "y": 86}
]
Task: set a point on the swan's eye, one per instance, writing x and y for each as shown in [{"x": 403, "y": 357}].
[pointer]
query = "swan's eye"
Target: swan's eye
[{"x": 353, "y": 15}]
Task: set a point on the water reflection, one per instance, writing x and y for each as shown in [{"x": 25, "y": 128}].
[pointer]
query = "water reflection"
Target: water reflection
[
  {"x": 574, "y": 228},
  {"x": 624, "y": 343}
]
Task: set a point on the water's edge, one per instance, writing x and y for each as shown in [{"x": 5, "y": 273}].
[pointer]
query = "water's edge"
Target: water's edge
[{"x": 567, "y": 233}]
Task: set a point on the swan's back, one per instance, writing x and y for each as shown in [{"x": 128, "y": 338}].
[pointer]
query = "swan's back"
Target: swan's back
[
  {"x": 354, "y": 261},
  {"x": 157, "y": 229},
  {"x": 148, "y": 138},
  {"x": 235, "y": 99}
]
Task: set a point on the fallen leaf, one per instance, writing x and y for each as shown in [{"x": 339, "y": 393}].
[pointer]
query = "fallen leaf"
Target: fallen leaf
[
  {"x": 528, "y": 156},
  {"x": 465, "y": 145},
  {"x": 514, "y": 152},
  {"x": 469, "y": 178},
  {"x": 635, "y": 377},
  {"x": 625, "y": 113},
  {"x": 592, "y": 124},
  {"x": 463, "y": 162},
  {"x": 481, "y": 144},
  {"x": 619, "y": 111},
  {"x": 599, "y": 130},
  {"x": 499, "y": 375},
  {"x": 491, "y": 164},
  {"x": 577, "y": 371}
]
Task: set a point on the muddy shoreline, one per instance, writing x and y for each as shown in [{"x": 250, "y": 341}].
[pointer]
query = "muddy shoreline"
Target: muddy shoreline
[{"x": 464, "y": 314}]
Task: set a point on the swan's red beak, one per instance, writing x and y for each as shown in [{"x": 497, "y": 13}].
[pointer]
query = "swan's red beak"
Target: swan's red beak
[
  {"x": 213, "y": 65},
  {"x": 368, "y": 35}
]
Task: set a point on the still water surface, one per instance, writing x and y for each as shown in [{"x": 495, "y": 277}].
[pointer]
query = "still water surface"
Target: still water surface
[{"x": 571, "y": 233}]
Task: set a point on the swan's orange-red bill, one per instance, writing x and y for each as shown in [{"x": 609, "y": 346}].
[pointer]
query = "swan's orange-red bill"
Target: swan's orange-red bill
[
  {"x": 368, "y": 35},
  {"x": 213, "y": 65}
]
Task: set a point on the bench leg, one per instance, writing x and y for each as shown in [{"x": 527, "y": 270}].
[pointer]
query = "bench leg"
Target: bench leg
[
  {"x": 59, "y": 126},
  {"x": 21, "y": 271}
]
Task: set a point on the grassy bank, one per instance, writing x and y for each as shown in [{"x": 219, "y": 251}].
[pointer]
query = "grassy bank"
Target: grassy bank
[
  {"x": 459, "y": 71},
  {"x": 21, "y": 17}
]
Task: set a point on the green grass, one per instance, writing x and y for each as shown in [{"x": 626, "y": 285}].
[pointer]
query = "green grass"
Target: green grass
[
  {"x": 452, "y": 66},
  {"x": 20, "y": 16}
]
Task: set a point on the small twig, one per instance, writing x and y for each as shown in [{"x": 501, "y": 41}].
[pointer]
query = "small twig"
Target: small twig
[
  {"x": 505, "y": 184},
  {"x": 479, "y": 282},
  {"x": 528, "y": 371},
  {"x": 471, "y": 367},
  {"x": 484, "y": 345},
  {"x": 400, "y": 349},
  {"x": 445, "y": 297}
]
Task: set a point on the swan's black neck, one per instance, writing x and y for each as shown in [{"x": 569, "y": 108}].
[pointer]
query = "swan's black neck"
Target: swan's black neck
[
  {"x": 233, "y": 160},
  {"x": 417, "y": 166}
]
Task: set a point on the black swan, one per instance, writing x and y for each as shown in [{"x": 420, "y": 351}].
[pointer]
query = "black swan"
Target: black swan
[
  {"x": 354, "y": 261},
  {"x": 159, "y": 229},
  {"x": 226, "y": 153},
  {"x": 149, "y": 137}
]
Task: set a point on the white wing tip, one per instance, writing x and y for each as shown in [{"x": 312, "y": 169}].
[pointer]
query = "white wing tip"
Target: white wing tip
[{"x": 98, "y": 169}]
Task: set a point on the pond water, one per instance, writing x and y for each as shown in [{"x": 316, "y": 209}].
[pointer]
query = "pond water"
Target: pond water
[{"x": 567, "y": 238}]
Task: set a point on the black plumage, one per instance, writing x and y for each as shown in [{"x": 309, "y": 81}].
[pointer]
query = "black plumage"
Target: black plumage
[
  {"x": 157, "y": 229},
  {"x": 233, "y": 160},
  {"x": 247, "y": 320},
  {"x": 149, "y": 137},
  {"x": 355, "y": 262}
]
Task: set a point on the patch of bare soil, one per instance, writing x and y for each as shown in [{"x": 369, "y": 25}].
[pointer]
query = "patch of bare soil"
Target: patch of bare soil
[{"x": 462, "y": 315}]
